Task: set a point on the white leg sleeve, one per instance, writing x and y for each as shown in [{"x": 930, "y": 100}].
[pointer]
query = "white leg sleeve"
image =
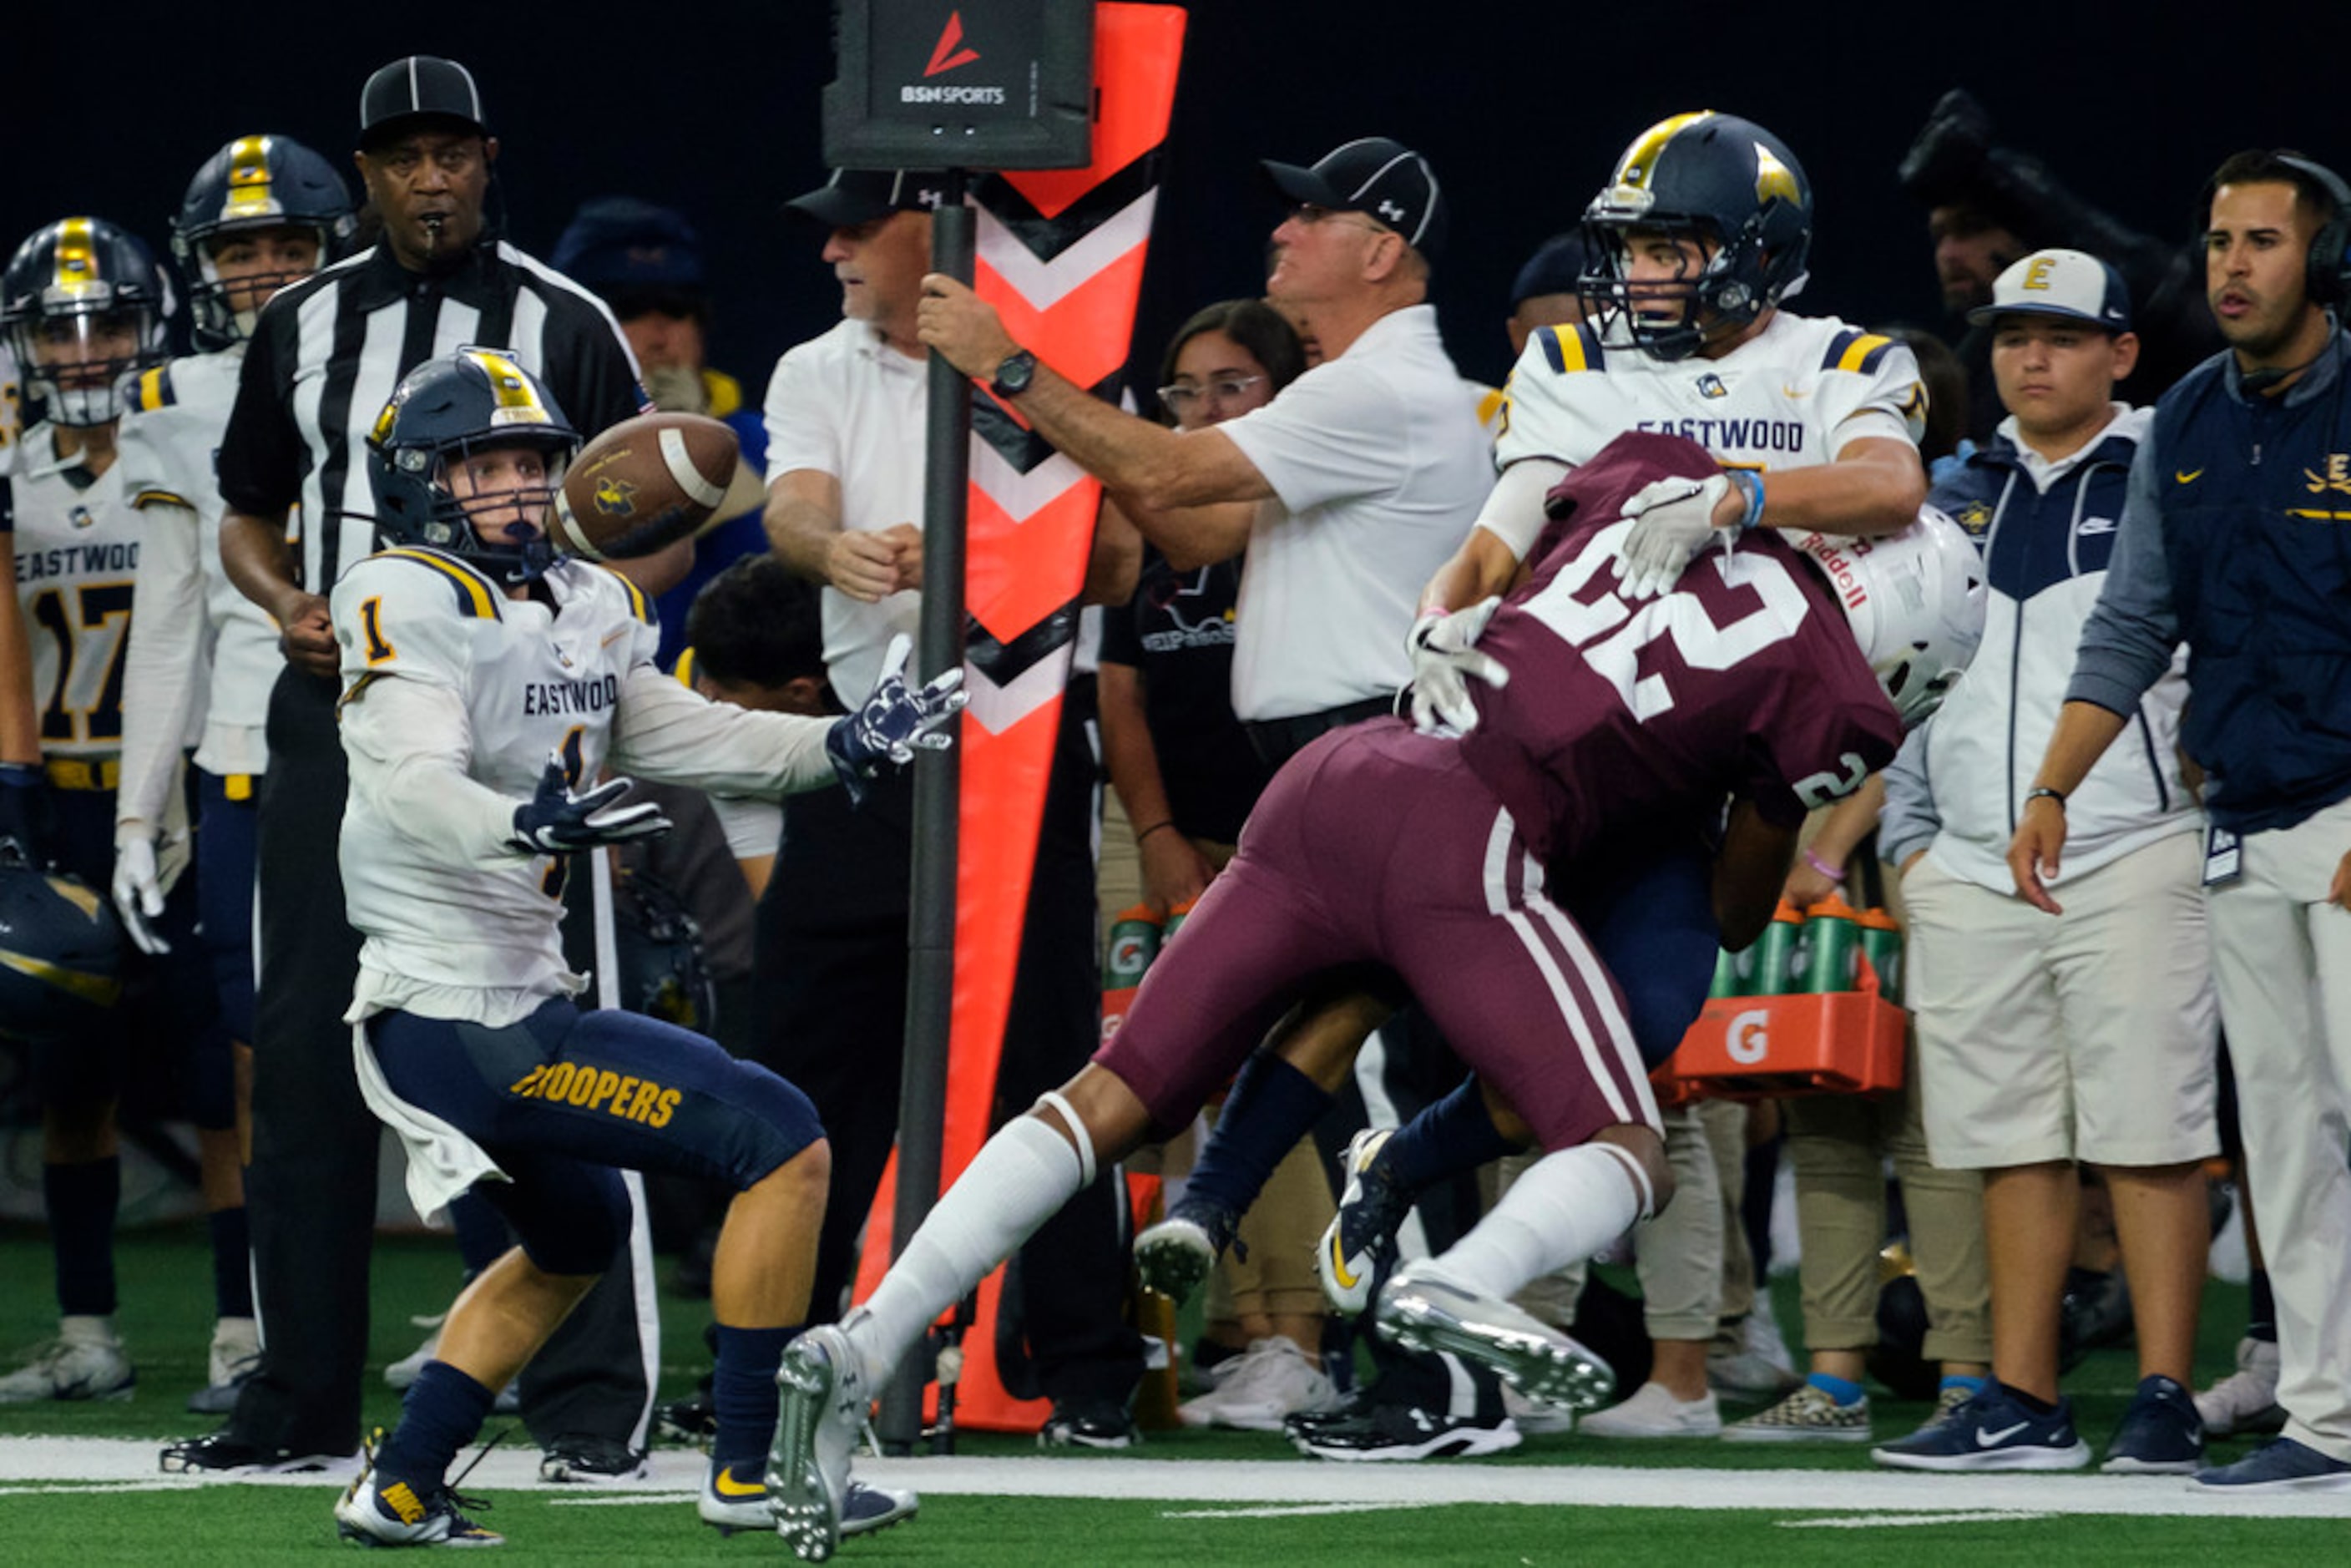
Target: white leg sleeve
[
  {"x": 1020, "y": 1179},
  {"x": 1566, "y": 1207}
]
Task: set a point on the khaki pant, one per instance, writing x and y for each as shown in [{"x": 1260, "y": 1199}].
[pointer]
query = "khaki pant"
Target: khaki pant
[{"x": 2281, "y": 955}]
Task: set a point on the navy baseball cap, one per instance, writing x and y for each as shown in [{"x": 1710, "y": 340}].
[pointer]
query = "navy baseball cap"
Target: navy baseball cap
[
  {"x": 619, "y": 242},
  {"x": 1378, "y": 178},
  {"x": 2068, "y": 283},
  {"x": 855, "y": 196},
  {"x": 1558, "y": 267},
  {"x": 421, "y": 87}
]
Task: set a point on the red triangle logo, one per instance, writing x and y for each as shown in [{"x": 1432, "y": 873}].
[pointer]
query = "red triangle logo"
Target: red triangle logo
[{"x": 949, "y": 53}]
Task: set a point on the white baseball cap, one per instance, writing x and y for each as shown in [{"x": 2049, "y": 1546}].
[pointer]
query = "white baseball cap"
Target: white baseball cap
[{"x": 2055, "y": 282}]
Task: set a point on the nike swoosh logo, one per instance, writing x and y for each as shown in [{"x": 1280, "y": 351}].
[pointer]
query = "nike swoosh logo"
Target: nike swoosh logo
[
  {"x": 2188, "y": 476},
  {"x": 726, "y": 1485},
  {"x": 1339, "y": 1266},
  {"x": 1985, "y": 1439}
]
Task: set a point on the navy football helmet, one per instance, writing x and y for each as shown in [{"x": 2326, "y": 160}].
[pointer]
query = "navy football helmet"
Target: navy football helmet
[
  {"x": 61, "y": 951},
  {"x": 83, "y": 304},
  {"x": 254, "y": 183},
  {"x": 444, "y": 411},
  {"x": 1725, "y": 181}
]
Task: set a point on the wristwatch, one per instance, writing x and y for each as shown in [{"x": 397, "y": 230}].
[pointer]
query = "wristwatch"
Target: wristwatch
[{"x": 1013, "y": 375}]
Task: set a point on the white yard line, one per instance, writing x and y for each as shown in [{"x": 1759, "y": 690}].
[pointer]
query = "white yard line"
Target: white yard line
[{"x": 38, "y": 1465}]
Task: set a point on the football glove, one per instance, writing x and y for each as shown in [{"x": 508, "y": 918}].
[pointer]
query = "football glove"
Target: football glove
[
  {"x": 1445, "y": 660},
  {"x": 139, "y": 894},
  {"x": 554, "y": 821},
  {"x": 27, "y": 816},
  {"x": 1672, "y": 521},
  {"x": 893, "y": 722}
]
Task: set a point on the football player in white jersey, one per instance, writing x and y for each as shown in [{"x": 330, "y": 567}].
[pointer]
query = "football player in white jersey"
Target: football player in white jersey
[
  {"x": 486, "y": 681},
  {"x": 1700, "y": 233},
  {"x": 83, "y": 305},
  {"x": 262, "y": 213}
]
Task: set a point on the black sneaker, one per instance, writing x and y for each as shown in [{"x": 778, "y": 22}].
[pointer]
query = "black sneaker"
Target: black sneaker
[
  {"x": 1089, "y": 1424},
  {"x": 2161, "y": 1434},
  {"x": 692, "y": 1420},
  {"x": 582, "y": 1458},
  {"x": 1399, "y": 1432},
  {"x": 223, "y": 1453}
]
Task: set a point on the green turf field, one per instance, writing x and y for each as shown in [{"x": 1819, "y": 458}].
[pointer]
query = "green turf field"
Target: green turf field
[{"x": 1183, "y": 1498}]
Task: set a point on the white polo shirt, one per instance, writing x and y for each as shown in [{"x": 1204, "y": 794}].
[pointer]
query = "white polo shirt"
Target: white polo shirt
[
  {"x": 1378, "y": 467},
  {"x": 850, "y": 405}
]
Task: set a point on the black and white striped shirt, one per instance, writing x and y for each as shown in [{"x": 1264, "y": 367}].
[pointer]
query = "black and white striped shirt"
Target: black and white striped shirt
[{"x": 327, "y": 352}]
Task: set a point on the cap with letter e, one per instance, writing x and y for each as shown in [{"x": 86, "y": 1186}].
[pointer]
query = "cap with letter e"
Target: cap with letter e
[
  {"x": 419, "y": 87},
  {"x": 1378, "y": 178},
  {"x": 2072, "y": 283}
]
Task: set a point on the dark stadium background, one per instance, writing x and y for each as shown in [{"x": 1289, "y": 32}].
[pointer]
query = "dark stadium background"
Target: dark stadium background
[{"x": 712, "y": 106}]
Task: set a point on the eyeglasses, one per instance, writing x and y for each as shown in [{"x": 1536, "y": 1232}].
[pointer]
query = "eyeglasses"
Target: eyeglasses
[
  {"x": 1181, "y": 399},
  {"x": 1309, "y": 214}
]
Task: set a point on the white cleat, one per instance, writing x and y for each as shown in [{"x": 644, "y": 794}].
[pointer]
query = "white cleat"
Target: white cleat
[
  {"x": 824, "y": 1406},
  {"x": 1348, "y": 1256},
  {"x": 1422, "y": 1310}
]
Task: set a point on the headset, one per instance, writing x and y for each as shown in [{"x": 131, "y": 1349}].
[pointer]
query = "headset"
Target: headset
[{"x": 2326, "y": 278}]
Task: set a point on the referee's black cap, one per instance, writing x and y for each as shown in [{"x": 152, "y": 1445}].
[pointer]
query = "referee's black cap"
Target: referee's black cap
[{"x": 421, "y": 87}]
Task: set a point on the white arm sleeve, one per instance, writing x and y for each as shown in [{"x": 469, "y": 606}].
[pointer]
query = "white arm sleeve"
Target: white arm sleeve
[
  {"x": 162, "y": 667},
  {"x": 1513, "y": 511},
  {"x": 409, "y": 744},
  {"x": 666, "y": 732}
]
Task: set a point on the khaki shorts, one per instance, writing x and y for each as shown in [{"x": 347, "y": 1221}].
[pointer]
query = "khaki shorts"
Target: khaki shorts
[{"x": 2086, "y": 1036}]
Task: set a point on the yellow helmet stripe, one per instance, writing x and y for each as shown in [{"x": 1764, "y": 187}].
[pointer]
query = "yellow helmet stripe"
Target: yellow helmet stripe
[
  {"x": 1773, "y": 178},
  {"x": 1640, "y": 160},
  {"x": 77, "y": 256},
  {"x": 99, "y": 988},
  {"x": 248, "y": 180},
  {"x": 518, "y": 399}
]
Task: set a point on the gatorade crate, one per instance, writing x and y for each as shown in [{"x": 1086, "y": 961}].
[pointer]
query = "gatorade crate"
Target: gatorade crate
[{"x": 1757, "y": 1047}]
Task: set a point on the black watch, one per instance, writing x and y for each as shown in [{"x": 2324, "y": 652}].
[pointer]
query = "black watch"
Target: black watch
[{"x": 1014, "y": 374}]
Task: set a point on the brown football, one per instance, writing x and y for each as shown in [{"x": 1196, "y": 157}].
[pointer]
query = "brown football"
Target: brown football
[{"x": 643, "y": 484}]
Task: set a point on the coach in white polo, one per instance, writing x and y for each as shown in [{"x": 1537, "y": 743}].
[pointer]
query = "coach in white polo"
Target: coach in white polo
[{"x": 1347, "y": 491}]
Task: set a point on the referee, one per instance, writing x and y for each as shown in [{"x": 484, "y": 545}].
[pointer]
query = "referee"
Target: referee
[{"x": 325, "y": 358}]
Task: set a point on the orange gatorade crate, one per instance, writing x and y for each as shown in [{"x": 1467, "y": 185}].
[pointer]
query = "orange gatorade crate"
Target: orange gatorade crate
[{"x": 1756, "y": 1047}]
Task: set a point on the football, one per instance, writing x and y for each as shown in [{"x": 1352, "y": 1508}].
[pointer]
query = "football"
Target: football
[{"x": 644, "y": 483}]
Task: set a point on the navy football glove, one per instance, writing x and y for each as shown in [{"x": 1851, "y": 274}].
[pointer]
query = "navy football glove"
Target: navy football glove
[
  {"x": 893, "y": 722},
  {"x": 554, "y": 821}
]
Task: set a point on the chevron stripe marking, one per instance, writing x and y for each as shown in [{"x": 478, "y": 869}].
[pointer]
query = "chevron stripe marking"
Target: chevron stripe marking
[
  {"x": 1084, "y": 336},
  {"x": 1044, "y": 283}
]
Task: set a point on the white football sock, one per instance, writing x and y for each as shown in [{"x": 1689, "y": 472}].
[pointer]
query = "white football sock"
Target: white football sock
[
  {"x": 1020, "y": 1179},
  {"x": 1565, "y": 1208}
]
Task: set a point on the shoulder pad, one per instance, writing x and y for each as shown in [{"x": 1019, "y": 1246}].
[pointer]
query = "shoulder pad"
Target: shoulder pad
[
  {"x": 477, "y": 598},
  {"x": 639, "y": 605},
  {"x": 1854, "y": 350},
  {"x": 1572, "y": 348}
]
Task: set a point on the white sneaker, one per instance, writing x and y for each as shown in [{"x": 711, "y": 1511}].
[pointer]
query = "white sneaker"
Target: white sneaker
[
  {"x": 2246, "y": 1400},
  {"x": 403, "y": 1372},
  {"x": 1272, "y": 1379},
  {"x": 86, "y": 1361},
  {"x": 1654, "y": 1412},
  {"x": 1533, "y": 1416},
  {"x": 234, "y": 1356}
]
